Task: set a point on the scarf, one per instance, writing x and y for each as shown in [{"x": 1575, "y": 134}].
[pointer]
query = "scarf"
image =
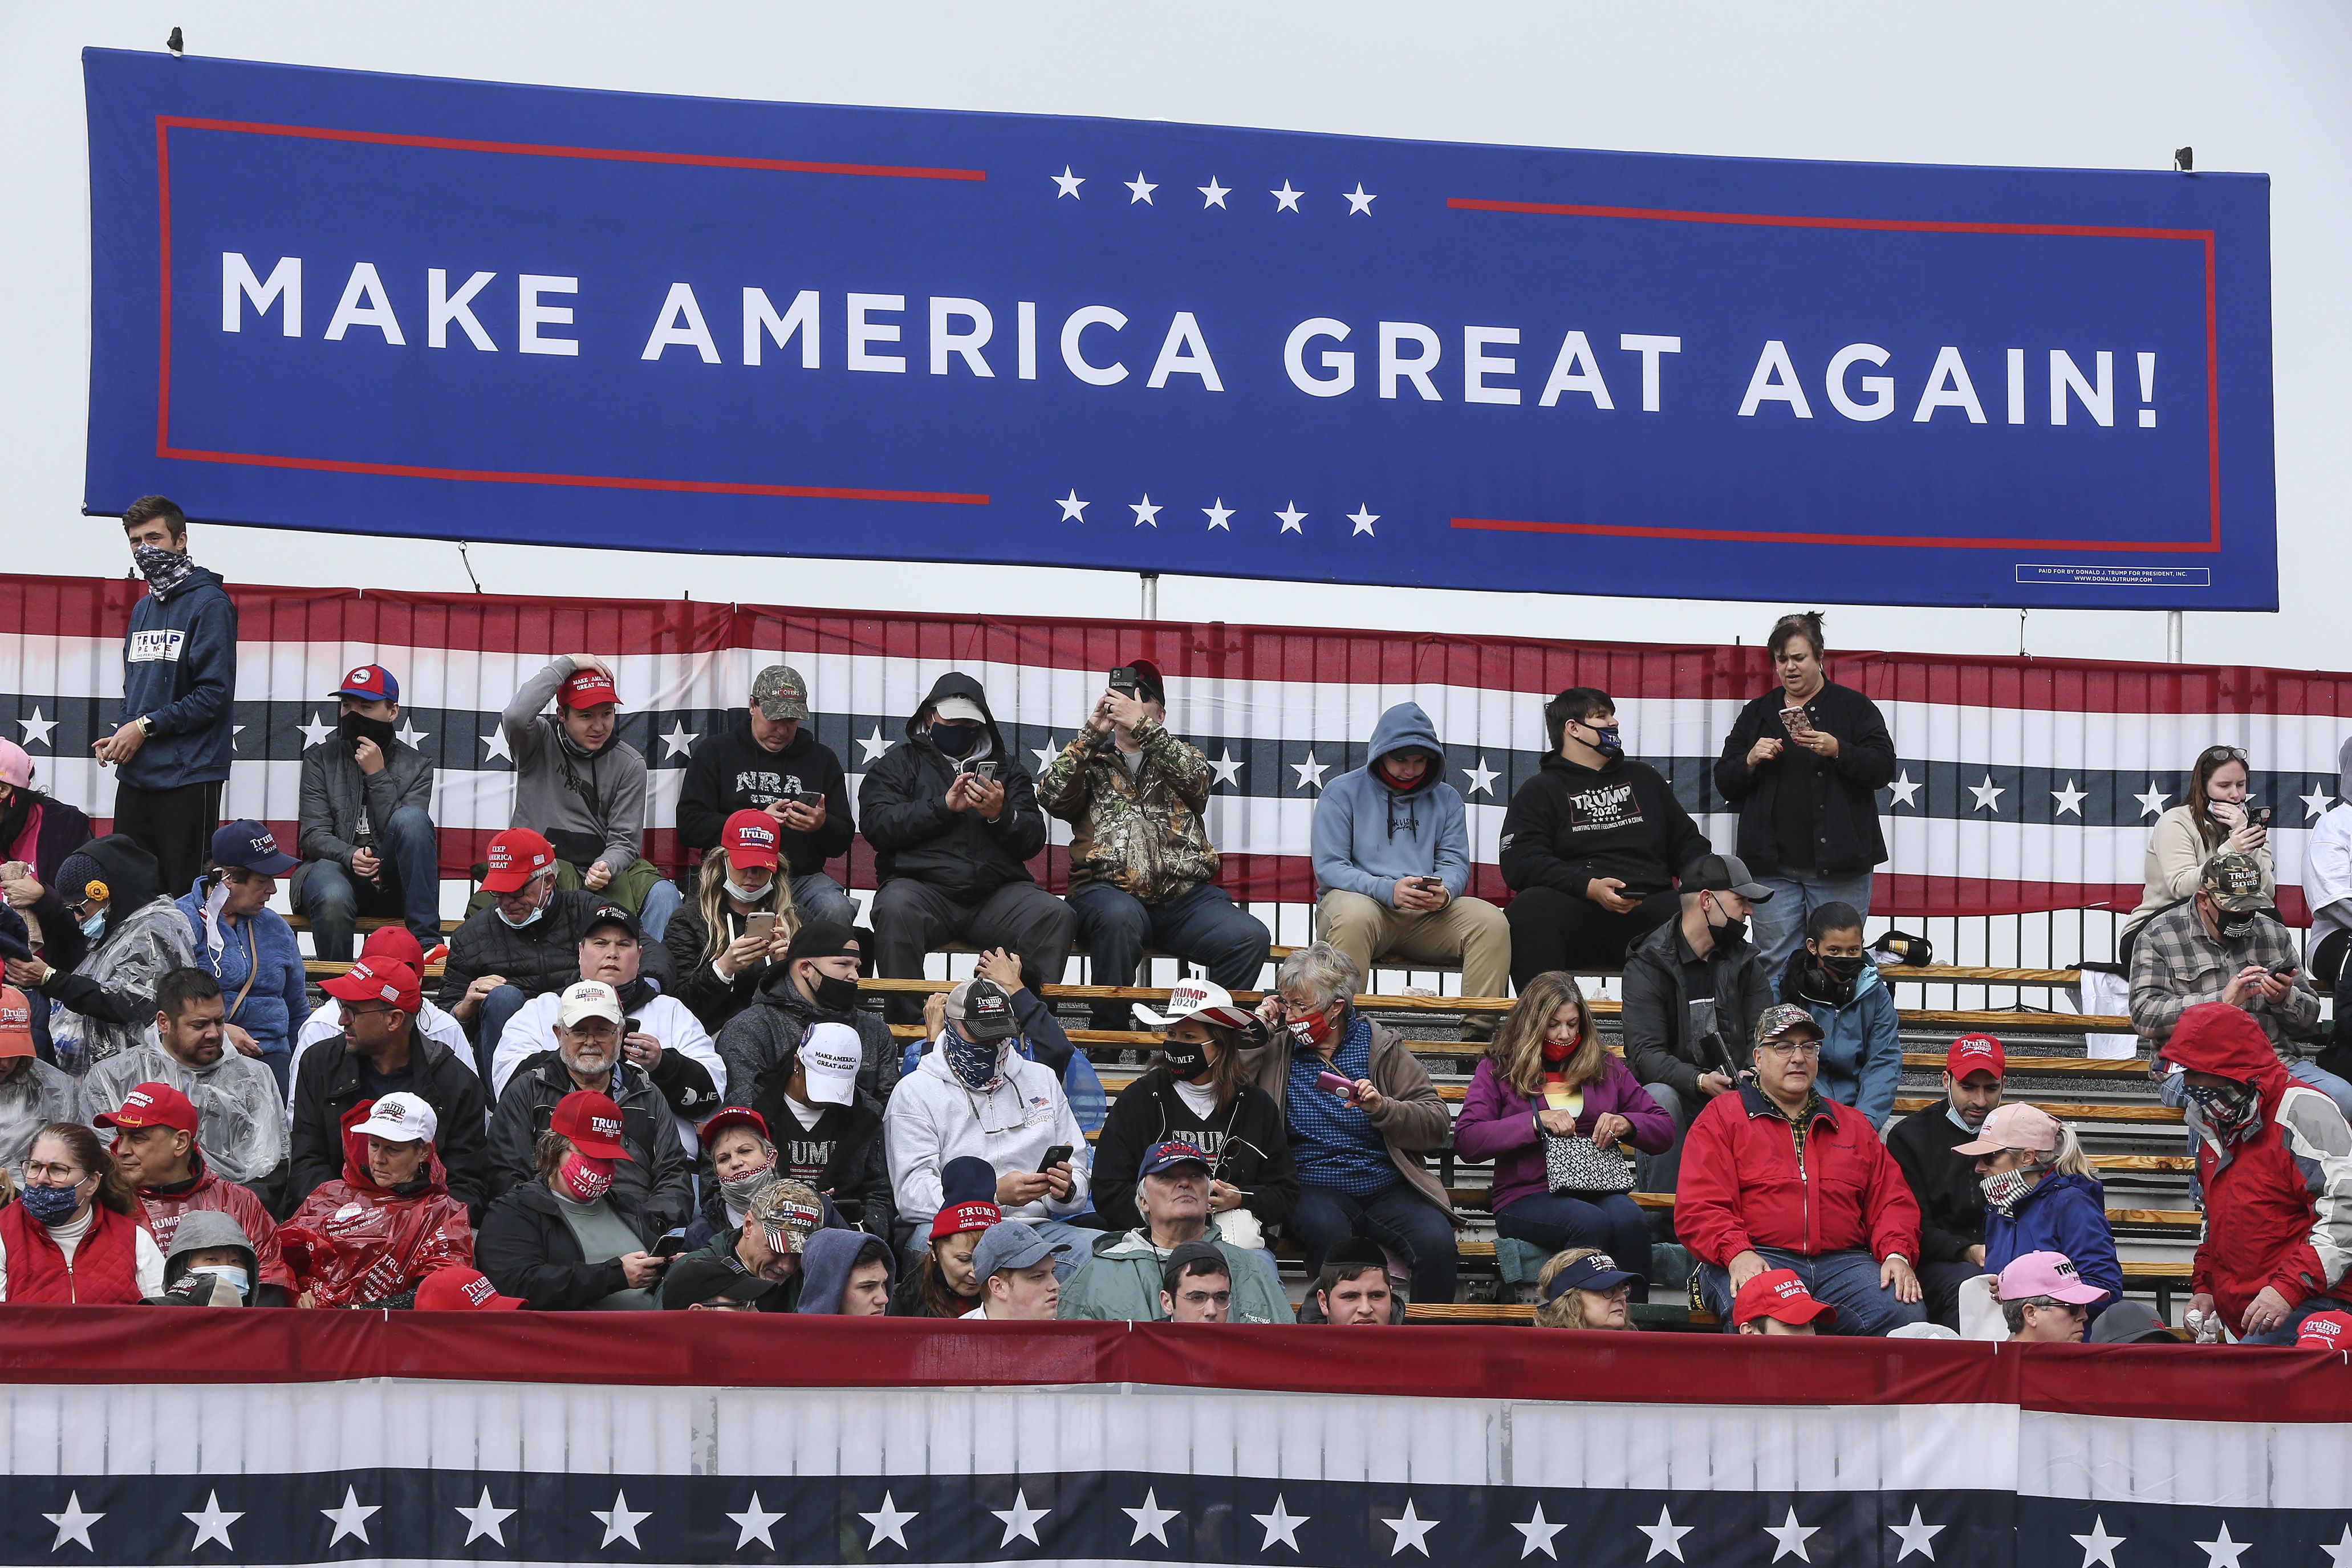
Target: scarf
[
  {"x": 165, "y": 572},
  {"x": 978, "y": 1068}
]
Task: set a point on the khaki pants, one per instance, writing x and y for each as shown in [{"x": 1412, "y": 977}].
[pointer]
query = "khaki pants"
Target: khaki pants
[{"x": 1468, "y": 931}]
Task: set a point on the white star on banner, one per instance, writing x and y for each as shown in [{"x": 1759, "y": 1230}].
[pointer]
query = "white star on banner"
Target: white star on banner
[
  {"x": 620, "y": 1521},
  {"x": 1310, "y": 772},
  {"x": 889, "y": 1522},
  {"x": 1988, "y": 794},
  {"x": 1020, "y": 1520},
  {"x": 36, "y": 733},
  {"x": 1282, "y": 1524},
  {"x": 408, "y": 734},
  {"x": 1792, "y": 1537},
  {"x": 1286, "y": 200},
  {"x": 2152, "y": 803},
  {"x": 1411, "y": 1531},
  {"x": 1218, "y": 514},
  {"x": 1151, "y": 1519},
  {"x": 1046, "y": 754},
  {"x": 1291, "y": 518},
  {"x": 73, "y": 1524},
  {"x": 1536, "y": 1535},
  {"x": 1906, "y": 793},
  {"x": 2069, "y": 799},
  {"x": 485, "y": 1518},
  {"x": 316, "y": 732},
  {"x": 212, "y": 1524},
  {"x": 350, "y": 1518},
  {"x": 2339, "y": 1555},
  {"x": 1145, "y": 512},
  {"x": 679, "y": 741},
  {"x": 234, "y": 731},
  {"x": 1359, "y": 200},
  {"x": 873, "y": 745},
  {"x": 2315, "y": 805},
  {"x": 1072, "y": 508},
  {"x": 2221, "y": 1551},
  {"x": 1363, "y": 517},
  {"x": 1214, "y": 194},
  {"x": 1665, "y": 1536},
  {"x": 1482, "y": 778},
  {"x": 1228, "y": 771},
  {"x": 2099, "y": 1546},
  {"x": 494, "y": 744},
  {"x": 1069, "y": 183},
  {"x": 1140, "y": 189},
  {"x": 1917, "y": 1537},
  {"x": 755, "y": 1522}
]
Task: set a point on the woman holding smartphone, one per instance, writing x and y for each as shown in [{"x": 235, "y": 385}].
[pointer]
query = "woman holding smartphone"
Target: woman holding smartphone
[
  {"x": 742, "y": 920},
  {"x": 2214, "y": 820}
]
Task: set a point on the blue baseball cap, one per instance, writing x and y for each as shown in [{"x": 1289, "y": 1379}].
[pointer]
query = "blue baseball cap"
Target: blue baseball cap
[
  {"x": 369, "y": 683},
  {"x": 1009, "y": 1243},
  {"x": 250, "y": 846},
  {"x": 1593, "y": 1271},
  {"x": 1168, "y": 1157}
]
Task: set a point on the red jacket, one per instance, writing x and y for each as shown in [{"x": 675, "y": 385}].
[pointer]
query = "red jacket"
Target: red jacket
[
  {"x": 231, "y": 1198},
  {"x": 1742, "y": 1188},
  {"x": 105, "y": 1268},
  {"x": 355, "y": 1242},
  {"x": 2278, "y": 1202}
]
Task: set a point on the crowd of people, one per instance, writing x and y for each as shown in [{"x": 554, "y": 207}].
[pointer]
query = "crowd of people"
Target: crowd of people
[{"x": 630, "y": 1094}]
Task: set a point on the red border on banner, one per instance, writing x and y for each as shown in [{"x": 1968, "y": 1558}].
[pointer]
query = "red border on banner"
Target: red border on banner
[
  {"x": 166, "y": 124},
  {"x": 83, "y": 1345},
  {"x": 1897, "y": 226}
]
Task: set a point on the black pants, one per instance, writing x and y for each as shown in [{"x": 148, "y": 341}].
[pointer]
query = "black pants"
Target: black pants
[
  {"x": 175, "y": 825},
  {"x": 1550, "y": 929}
]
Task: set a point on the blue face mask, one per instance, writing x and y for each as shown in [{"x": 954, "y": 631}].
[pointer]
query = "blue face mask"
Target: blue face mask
[
  {"x": 955, "y": 739},
  {"x": 1608, "y": 742},
  {"x": 50, "y": 1205},
  {"x": 526, "y": 919},
  {"x": 230, "y": 1272},
  {"x": 974, "y": 1064},
  {"x": 96, "y": 925}
]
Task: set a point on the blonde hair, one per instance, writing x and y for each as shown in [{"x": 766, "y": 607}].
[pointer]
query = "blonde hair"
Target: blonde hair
[
  {"x": 1516, "y": 1049},
  {"x": 2067, "y": 1159},
  {"x": 710, "y": 896},
  {"x": 1567, "y": 1309}
]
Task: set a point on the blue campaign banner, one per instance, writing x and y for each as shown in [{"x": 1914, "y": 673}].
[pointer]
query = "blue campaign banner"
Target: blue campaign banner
[{"x": 408, "y": 307}]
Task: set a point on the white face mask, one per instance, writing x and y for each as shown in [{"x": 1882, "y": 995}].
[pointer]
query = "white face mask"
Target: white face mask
[{"x": 744, "y": 895}]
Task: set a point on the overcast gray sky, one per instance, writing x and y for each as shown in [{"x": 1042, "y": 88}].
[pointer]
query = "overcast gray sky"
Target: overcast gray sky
[{"x": 2254, "y": 87}]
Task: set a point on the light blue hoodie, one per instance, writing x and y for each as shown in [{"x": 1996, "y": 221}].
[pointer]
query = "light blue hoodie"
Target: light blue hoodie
[{"x": 1367, "y": 834}]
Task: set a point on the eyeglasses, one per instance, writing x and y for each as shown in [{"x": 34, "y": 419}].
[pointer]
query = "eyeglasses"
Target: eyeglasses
[
  {"x": 351, "y": 1010},
  {"x": 1792, "y": 1047}
]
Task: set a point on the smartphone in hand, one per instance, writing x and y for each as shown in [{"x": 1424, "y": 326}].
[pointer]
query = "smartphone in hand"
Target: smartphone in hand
[
  {"x": 1338, "y": 1084},
  {"x": 761, "y": 925},
  {"x": 1059, "y": 1154}
]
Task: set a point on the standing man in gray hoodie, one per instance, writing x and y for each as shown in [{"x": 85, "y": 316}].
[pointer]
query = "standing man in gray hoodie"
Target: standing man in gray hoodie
[{"x": 583, "y": 787}]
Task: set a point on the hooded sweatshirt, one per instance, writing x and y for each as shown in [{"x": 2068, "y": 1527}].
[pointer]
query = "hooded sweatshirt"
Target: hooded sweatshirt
[
  {"x": 827, "y": 1264},
  {"x": 1861, "y": 1048},
  {"x": 179, "y": 671},
  {"x": 2327, "y": 860},
  {"x": 1120, "y": 1283},
  {"x": 567, "y": 794},
  {"x": 1571, "y": 825},
  {"x": 203, "y": 1232},
  {"x": 358, "y": 1243},
  {"x": 730, "y": 771},
  {"x": 933, "y": 1118},
  {"x": 2278, "y": 1199},
  {"x": 109, "y": 997},
  {"x": 903, "y": 807},
  {"x": 1369, "y": 834}
]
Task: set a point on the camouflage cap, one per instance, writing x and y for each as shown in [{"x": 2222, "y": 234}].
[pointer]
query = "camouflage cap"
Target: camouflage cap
[
  {"x": 2234, "y": 883},
  {"x": 779, "y": 693},
  {"x": 1784, "y": 1019}
]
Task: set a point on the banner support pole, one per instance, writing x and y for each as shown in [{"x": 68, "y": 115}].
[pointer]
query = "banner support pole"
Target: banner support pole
[
  {"x": 1151, "y": 596},
  {"x": 2172, "y": 637}
]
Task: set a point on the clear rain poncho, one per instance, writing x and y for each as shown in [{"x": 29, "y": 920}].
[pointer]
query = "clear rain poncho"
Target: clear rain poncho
[
  {"x": 33, "y": 1095},
  {"x": 128, "y": 962},
  {"x": 240, "y": 1115}
]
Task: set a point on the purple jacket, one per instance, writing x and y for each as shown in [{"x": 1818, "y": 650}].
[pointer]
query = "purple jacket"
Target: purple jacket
[{"x": 1498, "y": 1124}]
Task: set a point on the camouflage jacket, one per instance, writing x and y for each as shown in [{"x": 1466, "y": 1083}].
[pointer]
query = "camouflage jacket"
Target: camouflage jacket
[{"x": 1142, "y": 832}]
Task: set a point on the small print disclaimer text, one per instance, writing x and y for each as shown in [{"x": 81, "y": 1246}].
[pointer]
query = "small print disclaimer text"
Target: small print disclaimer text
[{"x": 2117, "y": 576}]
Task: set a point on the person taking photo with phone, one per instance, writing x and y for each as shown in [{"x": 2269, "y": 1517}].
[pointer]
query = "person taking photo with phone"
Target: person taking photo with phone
[
  {"x": 1142, "y": 871},
  {"x": 1392, "y": 846},
  {"x": 953, "y": 819},
  {"x": 2214, "y": 820},
  {"x": 1804, "y": 763},
  {"x": 366, "y": 835}
]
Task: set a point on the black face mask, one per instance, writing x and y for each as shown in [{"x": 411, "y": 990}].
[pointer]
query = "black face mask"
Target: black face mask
[
  {"x": 832, "y": 994},
  {"x": 1726, "y": 929},
  {"x": 1186, "y": 1059},
  {"x": 1844, "y": 969},
  {"x": 955, "y": 739},
  {"x": 358, "y": 727}
]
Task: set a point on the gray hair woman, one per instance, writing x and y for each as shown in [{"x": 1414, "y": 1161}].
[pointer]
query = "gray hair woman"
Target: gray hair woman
[{"x": 1360, "y": 1112}]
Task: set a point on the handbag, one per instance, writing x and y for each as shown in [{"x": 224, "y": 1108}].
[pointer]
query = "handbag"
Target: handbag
[{"x": 1571, "y": 1164}]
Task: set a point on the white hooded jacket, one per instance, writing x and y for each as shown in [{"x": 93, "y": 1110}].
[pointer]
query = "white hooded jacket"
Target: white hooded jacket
[{"x": 932, "y": 1119}]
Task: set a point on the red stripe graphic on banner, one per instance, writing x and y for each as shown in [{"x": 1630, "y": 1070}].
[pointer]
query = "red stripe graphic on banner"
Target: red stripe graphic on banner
[{"x": 2210, "y": 545}]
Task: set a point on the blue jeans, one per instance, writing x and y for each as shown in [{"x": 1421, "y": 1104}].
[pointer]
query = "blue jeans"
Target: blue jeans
[
  {"x": 1400, "y": 1219},
  {"x": 1557, "y": 1221},
  {"x": 662, "y": 900},
  {"x": 819, "y": 898},
  {"x": 1202, "y": 926},
  {"x": 2284, "y": 1334},
  {"x": 1779, "y": 924},
  {"x": 502, "y": 1004},
  {"x": 409, "y": 886},
  {"x": 1846, "y": 1281}
]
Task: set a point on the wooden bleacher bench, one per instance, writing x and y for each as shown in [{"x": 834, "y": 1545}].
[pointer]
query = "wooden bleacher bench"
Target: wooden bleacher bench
[
  {"x": 2183, "y": 1221},
  {"x": 326, "y": 969},
  {"x": 369, "y": 923}
]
